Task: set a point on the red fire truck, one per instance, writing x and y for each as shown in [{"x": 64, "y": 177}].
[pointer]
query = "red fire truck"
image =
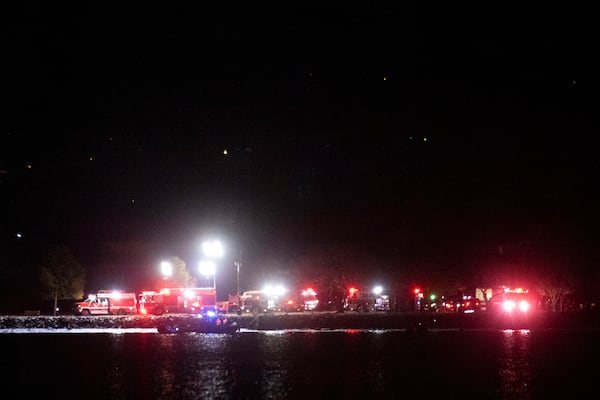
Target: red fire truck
[
  {"x": 232, "y": 305},
  {"x": 305, "y": 300},
  {"x": 310, "y": 300},
  {"x": 269, "y": 299},
  {"x": 178, "y": 300},
  {"x": 366, "y": 301},
  {"x": 254, "y": 301},
  {"x": 515, "y": 301},
  {"x": 108, "y": 302}
]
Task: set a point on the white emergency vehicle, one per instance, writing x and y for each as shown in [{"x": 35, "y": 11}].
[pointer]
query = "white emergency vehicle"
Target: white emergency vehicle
[{"x": 108, "y": 302}]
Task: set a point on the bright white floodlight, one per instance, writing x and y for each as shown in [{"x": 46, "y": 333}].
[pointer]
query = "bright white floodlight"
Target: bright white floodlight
[
  {"x": 166, "y": 268},
  {"x": 377, "y": 290},
  {"x": 206, "y": 268},
  {"x": 213, "y": 249},
  {"x": 274, "y": 291}
]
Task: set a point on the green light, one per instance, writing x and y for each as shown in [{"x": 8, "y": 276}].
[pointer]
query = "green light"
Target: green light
[{"x": 432, "y": 297}]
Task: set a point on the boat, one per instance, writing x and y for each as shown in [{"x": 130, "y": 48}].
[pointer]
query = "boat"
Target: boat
[{"x": 198, "y": 324}]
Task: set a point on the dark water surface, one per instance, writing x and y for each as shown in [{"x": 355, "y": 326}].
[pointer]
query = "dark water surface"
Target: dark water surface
[{"x": 510, "y": 364}]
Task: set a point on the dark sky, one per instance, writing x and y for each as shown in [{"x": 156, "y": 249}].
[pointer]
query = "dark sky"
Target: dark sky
[{"x": 393, "y": 130}]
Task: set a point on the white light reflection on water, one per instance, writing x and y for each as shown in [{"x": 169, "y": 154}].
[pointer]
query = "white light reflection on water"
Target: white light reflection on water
[
  {"x": 325, "y": 364},
  {"x": 167, "y": 369},
  {"x": 515, "y": 364},
  {"x": 79, "y": 330},
  {"x": 375, "y": 367},
  {"x": 202, "y": 362},
  {"x": 274, "y": 374}
]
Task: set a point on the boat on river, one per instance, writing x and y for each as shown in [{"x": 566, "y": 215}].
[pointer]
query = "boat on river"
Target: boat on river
[{"x": 198, "y": 324}]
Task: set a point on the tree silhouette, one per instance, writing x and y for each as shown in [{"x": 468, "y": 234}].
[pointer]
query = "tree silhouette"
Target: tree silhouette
[
  {"x": 332, "y": 270},
  {"x": 61, "y": 276},
  {"x": 556, "y": 286},
  {"x": 181, "y": 276}
]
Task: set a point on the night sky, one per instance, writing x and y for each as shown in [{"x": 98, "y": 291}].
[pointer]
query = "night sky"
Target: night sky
[{"x": 419, "y": 139}]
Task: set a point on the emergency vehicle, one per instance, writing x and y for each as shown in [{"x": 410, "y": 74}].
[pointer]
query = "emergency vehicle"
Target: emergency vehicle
[
  {"x": 366, "y": 301},
  {"x": 292, "y": 304},
  {"x": 232, "y": 305},
  {"x": 108, "y": 302},
  {"x": 178, "y": 300},
  {"x": 461, "y": 303},
  {"x": 254, "y": 301},
  {"x": 305, "y": 300},
  {"x": 269, "y": 299},
  {"x": 515, "y": 301},
  {"x": 310, "y": 300}
]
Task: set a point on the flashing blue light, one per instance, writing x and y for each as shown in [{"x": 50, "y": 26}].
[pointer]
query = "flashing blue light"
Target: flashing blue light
[{"x": 211, "y": 313}]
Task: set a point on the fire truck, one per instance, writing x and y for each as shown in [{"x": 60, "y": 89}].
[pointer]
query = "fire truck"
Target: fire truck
[
  {"x": 270, "y": 299},
  {"x": 515, "y": 301},
  {"x": 310, "y": 300},
  {"x": 292, "y": 304},
  {"x": 366, "y": 301},
  {"x": 178, "y": 300},
  {"x": 108, "y": 302},
  {"x": 305, "y": 300},
  {"x": 254, "y": 301},
  {"x": 231, "y": 305}
]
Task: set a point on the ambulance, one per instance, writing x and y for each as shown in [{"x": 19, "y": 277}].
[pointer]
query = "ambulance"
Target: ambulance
[{"x": 108, "y": 302}]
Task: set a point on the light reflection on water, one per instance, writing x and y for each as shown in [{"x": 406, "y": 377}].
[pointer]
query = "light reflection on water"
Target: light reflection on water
[
  {"x": 515, "y": 364},
  {"x": 352, "y": 364},
  {"x": 376, "y": 375},
  {"x": 274, "y": 374}
]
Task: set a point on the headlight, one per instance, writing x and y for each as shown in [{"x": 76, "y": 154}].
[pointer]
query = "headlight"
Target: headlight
[
  {"x": 509, "y": 305},
  {"x": 523, "y": 306}
]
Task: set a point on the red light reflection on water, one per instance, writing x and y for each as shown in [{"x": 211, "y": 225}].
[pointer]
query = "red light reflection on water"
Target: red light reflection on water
[
  {"x": 515, "y": 364},
  {"x": 353, "y": 331}
]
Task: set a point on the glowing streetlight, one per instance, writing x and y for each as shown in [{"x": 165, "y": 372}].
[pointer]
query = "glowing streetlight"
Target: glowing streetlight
[{"x": 377, "y": 290}]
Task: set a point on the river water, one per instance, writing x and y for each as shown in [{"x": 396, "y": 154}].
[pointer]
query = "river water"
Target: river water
[{"x": 350, "y": 364}]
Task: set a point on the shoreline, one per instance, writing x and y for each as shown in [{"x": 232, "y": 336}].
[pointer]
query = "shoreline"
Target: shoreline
[{"x": 320, "y": 320}]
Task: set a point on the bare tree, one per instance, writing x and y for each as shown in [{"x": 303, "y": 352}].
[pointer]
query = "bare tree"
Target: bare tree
[{"x": 556, "y": 287}]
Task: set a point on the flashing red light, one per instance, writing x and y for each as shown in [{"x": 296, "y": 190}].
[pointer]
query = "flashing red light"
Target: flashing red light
[
  {"x": 353, "y": 290},
  {"x": 290, "y": 302},
  {"x": 417, "y": 291}
]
